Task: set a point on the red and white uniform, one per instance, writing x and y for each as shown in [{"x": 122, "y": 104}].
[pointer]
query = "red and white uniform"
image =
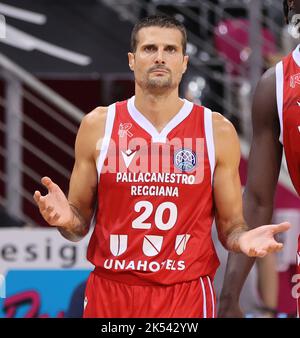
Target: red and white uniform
[
  {"x": 288, "y": 105},
  {"x": 152, "y": 240}
]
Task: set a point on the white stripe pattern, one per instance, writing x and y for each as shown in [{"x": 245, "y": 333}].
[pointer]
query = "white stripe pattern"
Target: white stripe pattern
[
  {"x": 279, "y": 97},
  {"x": 204, "y": 298},
  {"x": 144, "y": 123},
  {"x": 212, "y": 297},
  {"x": 111, "y": 112},
  {"x": 209, "y": 136}
]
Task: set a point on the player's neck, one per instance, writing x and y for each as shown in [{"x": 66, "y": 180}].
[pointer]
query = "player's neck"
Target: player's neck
[{"x": 158, "y": 109}]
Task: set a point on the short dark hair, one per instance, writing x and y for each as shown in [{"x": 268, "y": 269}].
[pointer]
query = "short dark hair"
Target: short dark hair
[
  {"x": 286, "y": 11},
  {"x": 158, "y": 21}
]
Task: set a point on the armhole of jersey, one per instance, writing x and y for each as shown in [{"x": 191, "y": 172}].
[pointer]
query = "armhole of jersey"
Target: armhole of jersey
[
  {"x": 110, "y": 118},
  {"x": 279, "y": 96},
  {"x": 209, "y": 136}
]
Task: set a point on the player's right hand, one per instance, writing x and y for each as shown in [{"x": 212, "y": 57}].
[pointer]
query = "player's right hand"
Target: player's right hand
[{"x": 54, "y": 207}]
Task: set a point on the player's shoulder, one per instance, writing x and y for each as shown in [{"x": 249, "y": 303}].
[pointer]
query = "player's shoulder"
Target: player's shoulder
[
  {"x": 96, "y": 116},
  {"x": 264, "y": 104},
  {"x": 226, "y": 140},
  {"x": 268, "y": 79},
  {"x": 222, "y": 127},
  {"x": 95, "y": 119},
  {"x": 92, "y": 129}
]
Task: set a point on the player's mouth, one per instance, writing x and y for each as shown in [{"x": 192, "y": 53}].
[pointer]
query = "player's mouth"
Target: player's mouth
[{"x": 159, "y": 71}]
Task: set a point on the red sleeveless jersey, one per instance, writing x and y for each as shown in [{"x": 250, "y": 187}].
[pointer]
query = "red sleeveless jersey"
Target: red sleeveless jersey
[
  {"x": 155, "y": 201},
  {"x": 288, "y": 106},
  {"x": 288, "y": 103}
]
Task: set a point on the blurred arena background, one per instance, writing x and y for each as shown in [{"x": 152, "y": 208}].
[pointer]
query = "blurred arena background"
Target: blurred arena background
[{"x": 58, "y": 60}]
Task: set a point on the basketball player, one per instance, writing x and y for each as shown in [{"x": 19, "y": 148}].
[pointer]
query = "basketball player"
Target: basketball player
[
  {"x": 276, "y": 126},
  {"x": 158, "y": 166}
]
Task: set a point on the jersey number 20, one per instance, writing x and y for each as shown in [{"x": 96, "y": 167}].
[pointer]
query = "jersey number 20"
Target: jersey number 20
[{"x": 139, "y": 222}]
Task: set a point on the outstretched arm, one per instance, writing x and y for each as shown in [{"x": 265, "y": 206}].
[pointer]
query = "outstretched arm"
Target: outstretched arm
[
  {"x": 232, "y": 229},
  {"x": 72, "y": 215},
  {"x": 263, "y": 170}
]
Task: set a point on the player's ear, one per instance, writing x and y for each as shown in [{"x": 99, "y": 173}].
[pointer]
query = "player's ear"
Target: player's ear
[
  {"x": 185, "y": 63},
  {"x": 131, "y": 60}
]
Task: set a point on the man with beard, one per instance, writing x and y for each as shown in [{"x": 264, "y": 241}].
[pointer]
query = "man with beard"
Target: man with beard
[
  {"x": 276, "y": 126},
  {"x": 159, "y": 166}
]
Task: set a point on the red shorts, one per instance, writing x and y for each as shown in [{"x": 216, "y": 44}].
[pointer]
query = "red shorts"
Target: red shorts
[{"x": 105, "y": 298}]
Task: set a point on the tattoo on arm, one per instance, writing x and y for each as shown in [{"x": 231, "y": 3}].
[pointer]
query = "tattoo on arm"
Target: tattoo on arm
[
  {"x": 79, "y": 226},
  {"x": 77, "y": 215}
]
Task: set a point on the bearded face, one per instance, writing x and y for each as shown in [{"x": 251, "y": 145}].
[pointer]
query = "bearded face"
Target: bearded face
[{"x": 158, "y": 62}]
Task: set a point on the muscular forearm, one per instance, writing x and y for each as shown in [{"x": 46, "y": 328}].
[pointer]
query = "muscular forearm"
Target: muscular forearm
[
  {"x": 77, "y": 228},
  {"x": 239, "y": 265}
]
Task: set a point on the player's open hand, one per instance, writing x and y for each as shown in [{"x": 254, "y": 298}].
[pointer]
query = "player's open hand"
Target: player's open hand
[
  {"x": 54, "y": 206},
  {"x": 260, "y": 241}
]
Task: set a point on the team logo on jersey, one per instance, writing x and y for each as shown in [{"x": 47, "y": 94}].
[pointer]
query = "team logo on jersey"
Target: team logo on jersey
[
  {"x": 118, "y": 244},
  {"x": 128, "y": 156},
  {"x": 185, "y": 159},
  {"x": 180, "y": 244},
  {"x": 124, "y": 129},
  {"x": 152, "y": 245},
  {"x": 295, "y": 79}
]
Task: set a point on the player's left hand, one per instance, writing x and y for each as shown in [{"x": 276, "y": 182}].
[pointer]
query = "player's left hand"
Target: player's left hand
[{"x": 260, "y": 241}]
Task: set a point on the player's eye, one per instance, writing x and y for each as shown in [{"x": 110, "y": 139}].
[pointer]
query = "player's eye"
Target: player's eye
[
  {"x": 171, "y": 49},
  {"x": 150, "y": 48}
]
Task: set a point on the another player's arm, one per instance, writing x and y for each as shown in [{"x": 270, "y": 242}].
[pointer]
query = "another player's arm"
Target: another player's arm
[
  {"x": 72, "y": 215},
  {"x": 263, "y": 170}
]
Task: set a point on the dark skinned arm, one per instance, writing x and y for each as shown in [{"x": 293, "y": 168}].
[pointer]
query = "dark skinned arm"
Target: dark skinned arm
[{"x": 263, "y": 171}]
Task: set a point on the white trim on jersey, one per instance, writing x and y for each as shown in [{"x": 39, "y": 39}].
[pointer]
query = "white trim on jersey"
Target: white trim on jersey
[
  {"x": 279, "y": 96},
  {"x": 212, "y": 297},
  {"x": 209, "y": 136},
  {"x": 143, "y": 122},
  {"x": 296, "y": 55},
  {"x": 110, "y": 118},
  {"x": 204, "y": 298}
]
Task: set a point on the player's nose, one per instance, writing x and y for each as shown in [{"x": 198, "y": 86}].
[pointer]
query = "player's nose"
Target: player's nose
[{"x": 159, "y": 57}]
